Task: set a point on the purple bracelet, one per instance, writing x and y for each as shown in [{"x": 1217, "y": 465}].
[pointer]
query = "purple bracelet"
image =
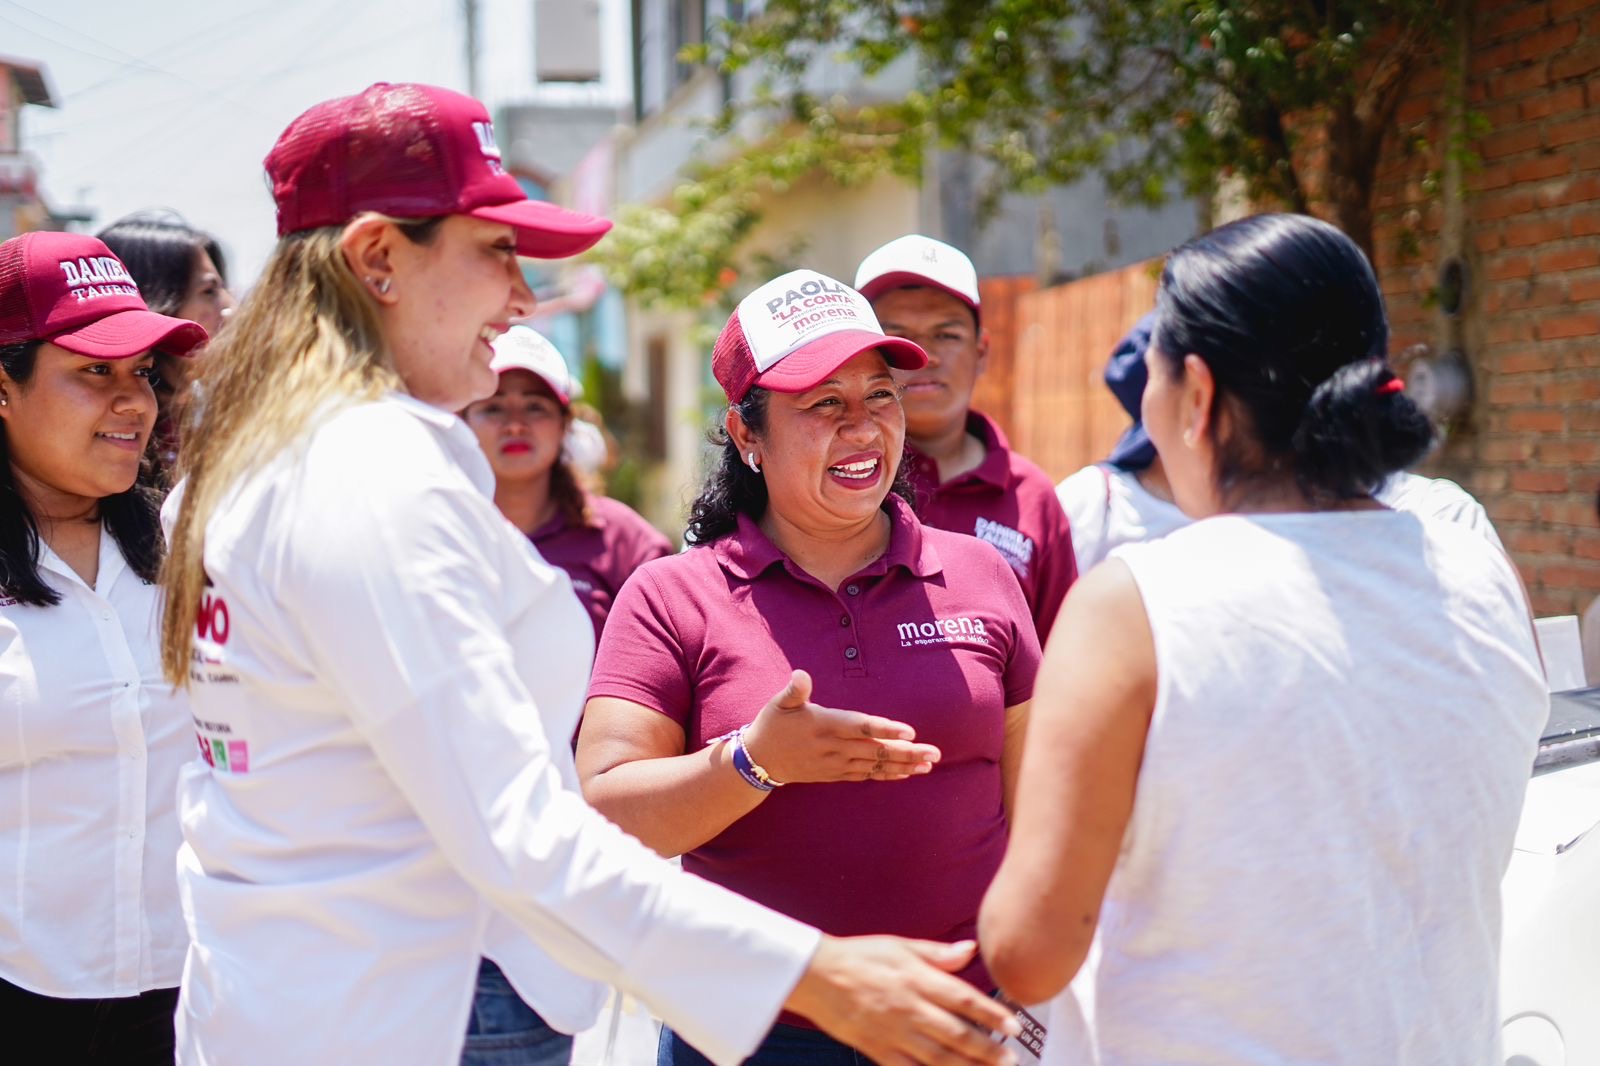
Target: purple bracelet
[{"x": 753, "y": 773}]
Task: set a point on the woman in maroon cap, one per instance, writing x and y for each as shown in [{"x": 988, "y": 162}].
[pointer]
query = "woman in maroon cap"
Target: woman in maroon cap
[
  {"x": 91, "y": 934},
  {"x": 813, "y": 586},
  {"x": 385, "y": 674}
]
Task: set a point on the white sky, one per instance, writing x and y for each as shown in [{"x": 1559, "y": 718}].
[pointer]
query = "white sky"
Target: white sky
[{"x": 174, "y": 103}]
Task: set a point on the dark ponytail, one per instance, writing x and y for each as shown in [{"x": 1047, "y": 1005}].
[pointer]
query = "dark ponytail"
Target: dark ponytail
[
  {"x": 1285, "y": 311},
  {"x": 133, "y": 518}
]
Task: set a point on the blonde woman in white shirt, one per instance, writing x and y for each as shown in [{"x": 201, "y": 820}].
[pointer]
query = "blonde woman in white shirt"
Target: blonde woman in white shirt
[
  {"x": 1277, "y": 758},
  {"x": 387, "y": 674},
  {"x": 91, "y": 735}
]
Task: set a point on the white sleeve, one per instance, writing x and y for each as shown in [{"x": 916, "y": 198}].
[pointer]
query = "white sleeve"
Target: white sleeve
[
  {"x": 1083, "y": 497},
  {"x": 399, "y": 600}
]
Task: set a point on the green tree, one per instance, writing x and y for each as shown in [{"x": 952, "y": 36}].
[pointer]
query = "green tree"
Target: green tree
[{"x": 1159, "y": 97}]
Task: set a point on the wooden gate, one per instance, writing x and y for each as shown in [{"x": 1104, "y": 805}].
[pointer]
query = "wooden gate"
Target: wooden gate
[{"x": 1044, "y": 380}]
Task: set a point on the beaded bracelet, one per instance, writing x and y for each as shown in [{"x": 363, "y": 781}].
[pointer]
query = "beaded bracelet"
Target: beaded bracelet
[{"x": 754, "y": 774}]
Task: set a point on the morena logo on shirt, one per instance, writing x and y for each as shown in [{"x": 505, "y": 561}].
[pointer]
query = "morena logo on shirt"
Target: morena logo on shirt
[
  {"x": 959, "y": 629},
  {"x": 1016, "y": 547}
]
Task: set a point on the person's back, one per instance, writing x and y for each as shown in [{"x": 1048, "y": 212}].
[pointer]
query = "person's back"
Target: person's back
[{"x": 1365, "y": 692}]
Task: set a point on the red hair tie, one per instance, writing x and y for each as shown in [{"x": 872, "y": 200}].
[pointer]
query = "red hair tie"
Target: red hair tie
[{"x": 1390, "y": 387}]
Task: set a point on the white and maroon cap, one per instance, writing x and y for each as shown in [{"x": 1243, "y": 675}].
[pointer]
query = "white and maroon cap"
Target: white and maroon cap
[
  {"x": 915, "y": 261},
  {"x": 525, "y": 348},
  {"x": 794, "y": 331},
  {"x": 70, "y": 290}
]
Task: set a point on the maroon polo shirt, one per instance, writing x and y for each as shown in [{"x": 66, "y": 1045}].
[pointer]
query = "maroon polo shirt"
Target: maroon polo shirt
[
  {"x": 602, "y": 555},
  {"x": 1011, "y": 503},
  {"x": 935, "y": 633}
]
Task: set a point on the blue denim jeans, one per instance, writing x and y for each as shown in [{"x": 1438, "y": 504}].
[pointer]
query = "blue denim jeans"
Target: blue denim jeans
[
  {"x": 786, "y": 1045},
  {"x": 504, "y": 1031}
]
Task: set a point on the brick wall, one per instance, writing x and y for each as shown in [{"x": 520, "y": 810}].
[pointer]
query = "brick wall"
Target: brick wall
[{"x": 1529, "y": 226}]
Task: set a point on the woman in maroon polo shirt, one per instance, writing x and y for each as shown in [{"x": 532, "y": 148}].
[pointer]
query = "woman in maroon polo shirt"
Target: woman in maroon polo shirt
[
  {"x": 810, "y": 575},
  {"x": 522, "y": 428}
]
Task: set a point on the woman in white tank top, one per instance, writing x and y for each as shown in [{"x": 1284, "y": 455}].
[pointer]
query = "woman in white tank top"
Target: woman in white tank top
[{"x": 1276, "y": 759}]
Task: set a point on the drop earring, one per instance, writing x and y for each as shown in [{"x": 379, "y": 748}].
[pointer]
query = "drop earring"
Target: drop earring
[
  {"x": 750, "y": 461},
  {"x": 381, "y": 286}
]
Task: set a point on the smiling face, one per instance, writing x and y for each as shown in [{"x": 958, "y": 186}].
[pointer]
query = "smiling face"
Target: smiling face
[
  {"x": 77, "y": 426},
  {"x": 450, "y": 298},
  {"x": 830, "y": 454},
  {"x": 938, "y": 395},
  {"x": 520, "y": 427}
]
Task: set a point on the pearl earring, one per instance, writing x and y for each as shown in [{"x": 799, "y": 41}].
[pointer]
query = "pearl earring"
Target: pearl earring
[{"x": 750, "y": 460}]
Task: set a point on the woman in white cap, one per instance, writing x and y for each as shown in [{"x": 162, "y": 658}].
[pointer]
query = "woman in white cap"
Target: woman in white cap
[
  {"x": 1278, "y": 757},
  {"x": 525, "y": 429},
  {"x": 91, "y": 936},
  {"x": 386, "y": 675}
]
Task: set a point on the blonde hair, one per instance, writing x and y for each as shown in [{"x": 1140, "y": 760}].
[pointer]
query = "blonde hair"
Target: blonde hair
[{"x": 307, "y": 335}]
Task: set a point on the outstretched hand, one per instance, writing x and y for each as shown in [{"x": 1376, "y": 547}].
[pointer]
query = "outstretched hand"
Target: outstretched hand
[{"x": 796, "y": 740}]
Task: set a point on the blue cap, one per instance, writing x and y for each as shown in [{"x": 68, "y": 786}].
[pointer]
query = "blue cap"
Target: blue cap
[{"x": 1126, "y": 376}]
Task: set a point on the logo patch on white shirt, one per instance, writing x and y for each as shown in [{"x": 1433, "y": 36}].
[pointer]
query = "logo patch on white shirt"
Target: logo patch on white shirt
[{"x": 1016, "y": 547}]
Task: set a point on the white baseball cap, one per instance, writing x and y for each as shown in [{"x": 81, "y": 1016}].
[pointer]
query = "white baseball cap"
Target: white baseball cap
[
  {"x": 525, "y": 348},
  {"x": 795, "y": 330},
  {"x": 918, "y": 261}
]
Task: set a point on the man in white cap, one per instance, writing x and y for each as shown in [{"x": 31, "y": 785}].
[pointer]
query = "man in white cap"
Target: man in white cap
[{"x": 967, "y": 477}]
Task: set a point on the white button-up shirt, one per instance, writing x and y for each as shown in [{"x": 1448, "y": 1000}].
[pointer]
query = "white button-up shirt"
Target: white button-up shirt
[
  {"x": 91, "y": 741},
  {"x": 386, "y": 678}
]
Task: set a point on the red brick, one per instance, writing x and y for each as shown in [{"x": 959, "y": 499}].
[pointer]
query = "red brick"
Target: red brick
[
  {"x": 1539, "y": 481},
  {"x": 1586, "y": 544},
  {"x": 1570, "y": 576},
  {"x": 1581, "y": 129},
  {"x": 1516, "y": 200},
  {"x": 1560, "y": 9},
  {"x": 1576, "y": 62},
  {"x": 1517, "y": 82},
  {"x": 1516, "y": 19},
  {"x": 1489, "y": 178},
  {"x": 1502, "y": 267},
  {"x": 1564, "y": 452},
  {"x": 1506, "y": 450},
  {"x": 1586, "y": 224},
  {"x": 1583, "y": 420},
  {"x": 1572, "y": 191},
  {"x": 1581, "y": 390},
  {"x": 1515, "y": 391},
  {"x": 1504, "y": 510},
  {"x": 1548, "y": 42},
  {"x": 1486, "y": 240},
  {"x": 1555, "y": 102},
  {"x": 1544, "y": 604},
  {"x": 1539, "y": 294},
  {"x": 1485, "y": 60},
  {"x": 1511, "y": 141},
  {"x": 1541, "y": 167},
  {"x": 1582, "y": 289},
  {"x": 1587, "y": 156},
  {"x": 1574, "y": 256},
  {"x": 1535, "y": 420},
  {"x": 1510, "y": 329},
  {"x": 1526, "y": 361},
  {"x": 1539, "y": 541},
  {"x": 1568, "y": 511},
  {"x": 1525, "y": 232},
  {"x": 1554, "y": 327}
]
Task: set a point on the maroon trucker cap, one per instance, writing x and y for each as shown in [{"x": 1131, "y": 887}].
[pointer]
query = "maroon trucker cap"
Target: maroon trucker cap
[
  {"x": 70, "y": 290},
  {"x": 411, "y": 151}
]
